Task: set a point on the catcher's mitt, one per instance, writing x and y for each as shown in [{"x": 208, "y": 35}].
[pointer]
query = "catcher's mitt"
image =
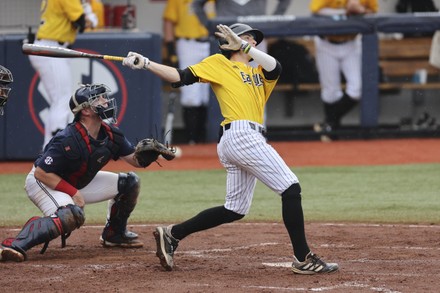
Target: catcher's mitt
[{"x": 148, "y": 150}]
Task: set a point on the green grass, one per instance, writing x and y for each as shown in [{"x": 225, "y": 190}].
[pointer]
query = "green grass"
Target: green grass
[{"x": 379, "y": 194}]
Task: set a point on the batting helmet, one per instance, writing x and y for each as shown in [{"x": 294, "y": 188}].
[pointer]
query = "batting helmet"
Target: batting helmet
[
  {"x": 240, "y": 29},
  {"x": 5, "y": 79},
  {"x": 88, "y": 96}
]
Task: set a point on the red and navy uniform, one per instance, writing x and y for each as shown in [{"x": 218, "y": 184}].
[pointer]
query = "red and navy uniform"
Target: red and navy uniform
[{"x": 76, "y": 157}]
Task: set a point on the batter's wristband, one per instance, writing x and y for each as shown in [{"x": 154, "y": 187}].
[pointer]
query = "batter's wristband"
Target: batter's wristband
[
  {"x": 146, "y": 63},
  {"x": 245, "y": 47},
  {"x": 66, "y": 187}
]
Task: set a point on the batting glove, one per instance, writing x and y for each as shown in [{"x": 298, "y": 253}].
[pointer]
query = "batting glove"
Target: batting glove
[
  {"x": 234, "y": 42},
  {"x": 136, "y": 61}
]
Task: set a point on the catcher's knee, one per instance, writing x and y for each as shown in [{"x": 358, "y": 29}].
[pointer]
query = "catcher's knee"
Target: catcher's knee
[
  {"x": 129, "y": 185},
  {"x": 293, "y": 192},
  {"x": 230, "y": 216},
  {"x": 70, "y": 217},
  {"x": 39, "y": 230},
  {"x": 125, "y": 201}
]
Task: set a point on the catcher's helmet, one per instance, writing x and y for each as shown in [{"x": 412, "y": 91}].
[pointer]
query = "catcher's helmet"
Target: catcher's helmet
[
  {"x": 5, "y": 79},
  {"x": 88, "y": 96},
  {"x": 240, "y": 29}
]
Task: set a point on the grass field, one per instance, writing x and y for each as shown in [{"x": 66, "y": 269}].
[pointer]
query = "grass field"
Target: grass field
[{"x": 379, "y": 194}]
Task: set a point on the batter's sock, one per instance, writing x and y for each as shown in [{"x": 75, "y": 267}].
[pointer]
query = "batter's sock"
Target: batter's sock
[
  {"x": 206, "y": 219},
  {"x": 294, "y": 220}
]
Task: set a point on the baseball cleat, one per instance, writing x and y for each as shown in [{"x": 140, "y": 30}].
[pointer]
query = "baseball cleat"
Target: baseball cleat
[
  {"x": 166, "y": 245},
  {"x": 121, "y": 241},
  {"x": 131, "y": 235},
  {"x": 7, "y": 253},
  {"x": 313, "y": 265}
]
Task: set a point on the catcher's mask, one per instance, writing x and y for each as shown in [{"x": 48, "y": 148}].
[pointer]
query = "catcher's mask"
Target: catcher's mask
[
  {"x": 5, "y": 79},
  {"x": 94, "y": 96},
  {"x": 240, "y": 29}
]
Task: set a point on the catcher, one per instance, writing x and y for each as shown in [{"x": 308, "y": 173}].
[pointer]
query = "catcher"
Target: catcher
[
  {"x": 6, "y": 80},
  {"x": 67, "y": 175}
]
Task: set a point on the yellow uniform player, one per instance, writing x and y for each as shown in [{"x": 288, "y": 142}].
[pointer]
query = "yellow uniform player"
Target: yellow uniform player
[
  {"x": 242, "y": 92},
  {"x": 187, "y": 42},
  {"x": 338, "y": 54},
  {"x": 60, "y": 22}
]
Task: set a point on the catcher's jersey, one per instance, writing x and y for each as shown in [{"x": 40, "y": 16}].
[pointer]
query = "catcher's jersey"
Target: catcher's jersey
[
  {"x": 56, "y": 20},
  {"x": 316, "y": 5},
  {"x": 241, "y": 90},
  {"x": 76, "y": 157},
  {"x": 187, "y": 25}
]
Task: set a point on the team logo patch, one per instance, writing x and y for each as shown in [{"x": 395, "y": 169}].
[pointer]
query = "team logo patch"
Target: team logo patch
[
  {"x": 48, "y": 160},
  {"x": 101, "y": 159}
]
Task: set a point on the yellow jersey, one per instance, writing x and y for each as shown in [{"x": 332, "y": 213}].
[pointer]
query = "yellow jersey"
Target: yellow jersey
[
  {"x": 187, "y": 25},
  {"x": 241, "y": 90},
  {"x": 57, "y": 17},
  {"x": 316, "y": 5},
  {"x": 98, "y": 10}
]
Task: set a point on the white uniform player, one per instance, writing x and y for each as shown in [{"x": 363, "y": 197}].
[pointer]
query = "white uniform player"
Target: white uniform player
[
  {"x": 336, "y": 55},
  {"x": 242, "y": 92},
  {"x": 59, "y": 24}
]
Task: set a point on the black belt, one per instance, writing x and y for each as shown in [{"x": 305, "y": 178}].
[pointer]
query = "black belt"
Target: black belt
[
  {"x": 200, "y": 40},
  {"x": 258, "y": 128}
]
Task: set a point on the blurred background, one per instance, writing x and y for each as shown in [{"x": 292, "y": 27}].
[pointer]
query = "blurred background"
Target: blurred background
[{"x": 408, "y": 103}]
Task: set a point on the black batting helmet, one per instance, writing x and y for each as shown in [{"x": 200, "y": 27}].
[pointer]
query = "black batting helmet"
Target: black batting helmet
[
  {"x": 87, "y": 97},
  {"x": 5, "y": 80},
  {"x": 240, "y": 29}
]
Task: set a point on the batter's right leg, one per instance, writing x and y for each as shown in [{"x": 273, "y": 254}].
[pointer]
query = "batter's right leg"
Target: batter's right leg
[{"x": 39, "y": 230}]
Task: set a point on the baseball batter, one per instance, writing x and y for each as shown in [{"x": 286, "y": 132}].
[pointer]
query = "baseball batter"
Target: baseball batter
[
  {"x": 336, "y": 54},
  {"x": 67, "y": 176},
  {"x": 242, "y": 92},
  {"x": 59, "y": 24},
  {"x": 183, "y": 30}
]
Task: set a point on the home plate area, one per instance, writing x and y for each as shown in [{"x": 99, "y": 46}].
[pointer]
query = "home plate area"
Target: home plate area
[{"x": 237, "y": 257}]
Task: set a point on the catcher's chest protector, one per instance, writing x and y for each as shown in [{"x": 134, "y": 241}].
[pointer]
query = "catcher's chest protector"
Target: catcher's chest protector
[{"x": 94, "y": 155}]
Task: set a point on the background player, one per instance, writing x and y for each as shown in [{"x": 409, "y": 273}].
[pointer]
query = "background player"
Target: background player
[
  {"x": 336, "y": 55},
  {"x": 60, "y": 21},
  {"x": 182, "y": 29},
  {"x": 67, "y": 176},
  {"x": 6, "y": 79},
  {"x": 242, "y": 92},
  {"x": 231, "y": 8}
]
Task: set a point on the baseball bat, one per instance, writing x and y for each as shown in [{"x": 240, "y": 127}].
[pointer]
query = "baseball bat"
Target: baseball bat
[
  {"x": 168, "y": 131},
  {"x": 59, "y": 52}
]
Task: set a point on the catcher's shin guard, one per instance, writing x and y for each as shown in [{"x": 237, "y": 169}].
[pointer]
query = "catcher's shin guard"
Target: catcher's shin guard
[
  {"x": 125, "y": 201},
  {"x": 39, "y": 230}
]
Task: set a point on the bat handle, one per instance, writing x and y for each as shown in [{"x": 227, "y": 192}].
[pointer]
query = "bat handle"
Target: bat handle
[{"x": 113, "y": 58}]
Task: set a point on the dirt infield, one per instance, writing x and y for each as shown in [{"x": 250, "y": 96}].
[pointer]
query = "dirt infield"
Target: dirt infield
[{"x": 248, "y": 257}]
